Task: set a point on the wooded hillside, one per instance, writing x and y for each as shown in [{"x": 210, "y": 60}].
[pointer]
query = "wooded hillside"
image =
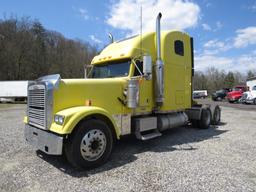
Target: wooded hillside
[{"x": 28, "y": 51}]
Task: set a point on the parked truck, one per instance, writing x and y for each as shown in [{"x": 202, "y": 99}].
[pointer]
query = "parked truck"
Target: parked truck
[
  {"x": 236, "y": 93},
  {"x": 249, "y": 97},
  {"x": 140, "y": 85},
  {"x": 220, "y": 94},
  {"x": 197, "y": 94}
]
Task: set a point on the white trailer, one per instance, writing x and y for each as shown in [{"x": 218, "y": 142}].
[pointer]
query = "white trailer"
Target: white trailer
[
  {"x": 11, "y": 90},
  {"x": 251, "y": 82}
]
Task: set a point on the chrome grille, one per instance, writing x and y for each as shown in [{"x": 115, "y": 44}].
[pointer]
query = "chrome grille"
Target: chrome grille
[
  {"x": 245, "y": 95},
  {"x": 37, "y": 105}
]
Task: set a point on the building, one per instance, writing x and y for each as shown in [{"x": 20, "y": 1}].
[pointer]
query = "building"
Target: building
[{"x": 250, "y": 82}]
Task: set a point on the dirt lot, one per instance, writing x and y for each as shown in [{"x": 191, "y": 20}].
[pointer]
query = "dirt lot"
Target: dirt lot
[{"x": 183, "y": 159}]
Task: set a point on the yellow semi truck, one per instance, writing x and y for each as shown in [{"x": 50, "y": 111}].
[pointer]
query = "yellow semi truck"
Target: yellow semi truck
[{"x": 140, "y": 85}]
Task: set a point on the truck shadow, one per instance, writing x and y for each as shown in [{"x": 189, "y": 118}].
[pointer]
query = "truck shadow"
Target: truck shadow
[{"x": 127, "y": 150}]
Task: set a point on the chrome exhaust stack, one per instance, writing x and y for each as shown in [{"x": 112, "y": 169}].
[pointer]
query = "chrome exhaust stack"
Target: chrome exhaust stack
[{"x": 159, "y": 66}]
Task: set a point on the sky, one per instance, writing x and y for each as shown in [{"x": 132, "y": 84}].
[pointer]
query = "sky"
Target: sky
[{"x": 224, "y": 32}]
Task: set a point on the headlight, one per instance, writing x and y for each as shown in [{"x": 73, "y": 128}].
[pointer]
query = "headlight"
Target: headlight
[{"x": 59, "y": 119}]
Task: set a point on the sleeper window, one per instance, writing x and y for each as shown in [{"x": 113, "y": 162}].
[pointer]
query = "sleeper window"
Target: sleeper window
[{"x": 179, "y": 47}]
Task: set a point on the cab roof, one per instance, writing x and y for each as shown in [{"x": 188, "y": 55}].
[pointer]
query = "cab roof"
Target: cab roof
[{"x": 130, "y": 47}]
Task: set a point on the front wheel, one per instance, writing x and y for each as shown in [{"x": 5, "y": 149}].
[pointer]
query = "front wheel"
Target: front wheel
[
  {"x": 214, "y": 99},
  {"x": 90, "y": 145}
]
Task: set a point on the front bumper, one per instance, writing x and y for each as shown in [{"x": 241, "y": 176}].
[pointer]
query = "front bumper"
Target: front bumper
[
  {"x": 44, "y": 141},
  {"x": 249, "y": 101},
  {"x": 233, "y": 99}
]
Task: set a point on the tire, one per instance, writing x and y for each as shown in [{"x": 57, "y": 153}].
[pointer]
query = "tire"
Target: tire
[
  {"x": 231, "y": 101},
  {"x": 90, "y": 145},
  {"x": 254, "y": 101},
  {"x": 205, "y": 120},
  {"x": 216, "y": 115}
]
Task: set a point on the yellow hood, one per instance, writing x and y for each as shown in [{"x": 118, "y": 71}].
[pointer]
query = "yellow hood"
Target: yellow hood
[{"x": 101, "y": 92}]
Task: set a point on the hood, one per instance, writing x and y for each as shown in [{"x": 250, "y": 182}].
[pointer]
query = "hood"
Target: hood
[
  {"x": 235, "y": 93},
  {"x": 101, "y": 92},
  {"x": 250, "y": 94}
]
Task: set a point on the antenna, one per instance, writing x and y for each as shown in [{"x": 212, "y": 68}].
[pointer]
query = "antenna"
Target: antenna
[
  {"x": 111, "y": 37},
  {"x": 141, "y": 30}
]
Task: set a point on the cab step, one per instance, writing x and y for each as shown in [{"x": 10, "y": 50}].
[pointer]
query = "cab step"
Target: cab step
[
  {"x": 146, "y": 128},
  {"x": 148, "y": 136}
]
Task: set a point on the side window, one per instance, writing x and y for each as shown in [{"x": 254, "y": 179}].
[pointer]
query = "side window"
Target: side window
[
  {"x": 140, "y": 66},
  {"x": 179, "y": 47}
]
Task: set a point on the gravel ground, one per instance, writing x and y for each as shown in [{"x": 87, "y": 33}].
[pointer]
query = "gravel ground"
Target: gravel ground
[{"x": 183, "y": 159}]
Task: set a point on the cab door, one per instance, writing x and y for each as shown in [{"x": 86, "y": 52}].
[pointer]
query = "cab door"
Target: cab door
[{"x": 145, "y": 90}]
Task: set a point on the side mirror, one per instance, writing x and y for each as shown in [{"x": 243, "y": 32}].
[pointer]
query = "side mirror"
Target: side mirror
[{"x": 147, "y": 65}]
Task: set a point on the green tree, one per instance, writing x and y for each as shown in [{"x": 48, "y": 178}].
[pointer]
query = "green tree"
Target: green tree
[
  {"x": 229, "y": 80},
  {"x": 250, "y": 74},
  {"x": 28, "y": 51}
]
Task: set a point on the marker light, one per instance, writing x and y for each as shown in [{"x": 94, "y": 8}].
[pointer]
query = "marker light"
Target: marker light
[{"x": 88, "y": 102}]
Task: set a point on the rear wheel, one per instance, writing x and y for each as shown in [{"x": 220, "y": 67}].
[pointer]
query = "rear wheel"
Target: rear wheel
[
  {"x": 205, "y": 120},
  {"x": 216, "y": 115},
  {"x": 254, "y": 101},
  {"x": 90, "y": 145}
]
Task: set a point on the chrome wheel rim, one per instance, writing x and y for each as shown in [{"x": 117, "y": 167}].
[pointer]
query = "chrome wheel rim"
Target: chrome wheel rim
[{"x": 93, "y": 145}]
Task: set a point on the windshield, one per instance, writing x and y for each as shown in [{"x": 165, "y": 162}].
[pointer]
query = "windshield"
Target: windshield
[
  {"x": 110, "y": 69},
  {"x": 220, "y": 91},
  {"x": 254, "y": 88},
  {"x": 237, "y": 89}
]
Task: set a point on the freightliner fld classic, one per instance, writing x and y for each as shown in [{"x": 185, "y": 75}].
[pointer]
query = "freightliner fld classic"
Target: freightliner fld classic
[{"x": 140, "y": 85}]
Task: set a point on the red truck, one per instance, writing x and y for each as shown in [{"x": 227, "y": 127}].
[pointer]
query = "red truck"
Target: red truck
[{"x": 236, "y": 93}]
